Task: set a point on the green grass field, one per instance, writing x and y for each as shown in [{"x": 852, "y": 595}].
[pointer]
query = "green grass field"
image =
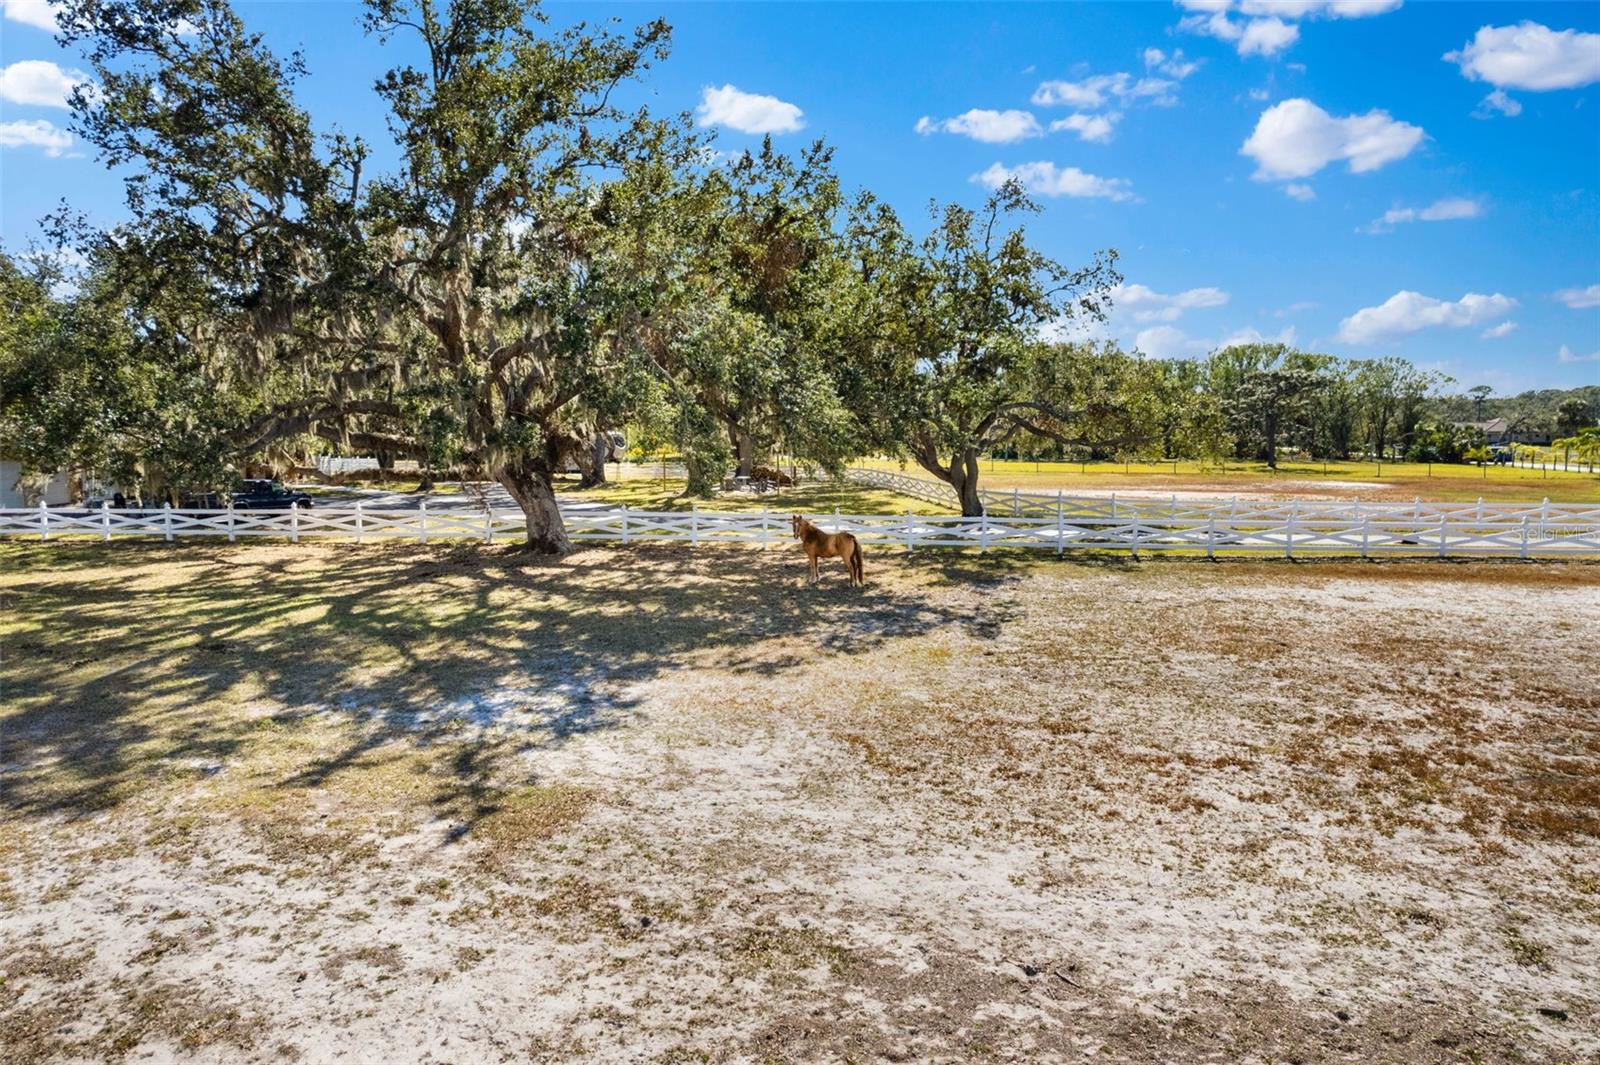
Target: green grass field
[
  {"x": 652, "y": 493},
  {"x": 639, "y": 487},
  {"x": 1405, "y": 480}
]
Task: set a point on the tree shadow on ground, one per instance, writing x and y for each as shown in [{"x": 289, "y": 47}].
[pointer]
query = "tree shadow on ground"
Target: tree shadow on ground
[{"x": 130, "y": 662}]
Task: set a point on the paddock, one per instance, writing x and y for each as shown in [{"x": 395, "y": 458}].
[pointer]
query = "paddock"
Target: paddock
[{"x": 274, "y": 802}]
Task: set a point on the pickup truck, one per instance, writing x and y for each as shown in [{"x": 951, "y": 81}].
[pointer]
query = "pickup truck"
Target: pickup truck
[{"x": 267, "y": 495}]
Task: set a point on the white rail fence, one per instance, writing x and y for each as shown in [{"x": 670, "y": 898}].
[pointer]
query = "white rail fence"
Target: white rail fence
[
  {"x": 1157, "y": 510},
  {"x": 1535, "y": 532}
]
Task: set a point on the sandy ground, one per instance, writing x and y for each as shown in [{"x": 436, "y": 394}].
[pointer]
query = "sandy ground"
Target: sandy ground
[{"x": 369, "y": 804}]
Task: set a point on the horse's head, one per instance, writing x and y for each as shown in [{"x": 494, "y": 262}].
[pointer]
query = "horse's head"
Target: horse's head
[{"x": 797, "y": 523}]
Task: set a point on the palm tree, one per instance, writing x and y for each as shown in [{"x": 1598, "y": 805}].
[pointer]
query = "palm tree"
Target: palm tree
[{"x": 1585, "y": 443}]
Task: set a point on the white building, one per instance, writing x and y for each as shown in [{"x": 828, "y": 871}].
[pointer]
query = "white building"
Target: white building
[{"x": 56, "y": 490}]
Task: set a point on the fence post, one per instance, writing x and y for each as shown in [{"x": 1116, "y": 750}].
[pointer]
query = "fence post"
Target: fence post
[
  {"x": 1544, "y": 519},
  {"x": 1135, "y": 544},
  {"x": 44, "y": 520},
  {"x": 294, "y": 522},
  {"x": 105, "y": 519},
  {"x": 232, "y": 536},
  {"x": 1524, "y": 536},
  {"x": 1366, "y": 531},
  {"x": 1288, "y": 539},
  {"x": 422, "y": 525},
  {"x": 1441, "y": 534},
  {"x": 1061, "y": 527},
  {"x": 1480, "y": 510},
  {"x": 361, "y": 535},
  {"x": 1113, "y": 506},
  {"x": 488, "y": 523},
  {"x": 911, "y": 538},
  {"x": 694, "y": 523},
  {"x": 1211, "y": 535},
  {"x": 625, "y": 533},
  {"x": 166, "y": 520},
  {"x": 983, "y": 532},
  {"x": 1016, "y": 503}
]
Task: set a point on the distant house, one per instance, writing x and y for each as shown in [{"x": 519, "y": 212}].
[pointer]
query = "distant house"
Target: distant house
[
  {"x": 55, "y": 490},
  {"x": 1498, "y": 432}
]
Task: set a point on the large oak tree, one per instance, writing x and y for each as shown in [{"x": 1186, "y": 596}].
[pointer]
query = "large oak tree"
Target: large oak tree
[
  {"x": 946, "y": 354},
  {"x": 479, "y": 304}
]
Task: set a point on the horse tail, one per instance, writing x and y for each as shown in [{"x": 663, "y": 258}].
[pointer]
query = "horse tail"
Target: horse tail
[{"x": 856, "y": 563}]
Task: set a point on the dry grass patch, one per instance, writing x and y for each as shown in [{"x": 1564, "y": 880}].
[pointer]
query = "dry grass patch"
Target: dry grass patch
[{"x": 661, "y": 803}]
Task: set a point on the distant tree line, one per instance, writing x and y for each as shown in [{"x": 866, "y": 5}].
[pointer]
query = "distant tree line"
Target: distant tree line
[{"x": 542, "y": 266}]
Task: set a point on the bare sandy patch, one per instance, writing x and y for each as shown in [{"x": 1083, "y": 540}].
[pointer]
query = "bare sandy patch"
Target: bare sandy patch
[{"x": 670, "y": 805}]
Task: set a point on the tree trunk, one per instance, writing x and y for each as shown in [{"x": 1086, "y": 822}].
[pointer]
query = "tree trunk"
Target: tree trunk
[
  {"x": 1269, "y": 449},
  {"x": 745, "y": 447},
  {"x": 530, "y": 484},
  {"x": 590, "y": 456},
  {"x": 703, "y": 481},
  {"x": 961, "y": 474}
]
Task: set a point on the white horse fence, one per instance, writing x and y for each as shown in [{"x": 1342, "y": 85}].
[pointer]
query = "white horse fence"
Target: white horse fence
[{"x": 1292, "y": 530}]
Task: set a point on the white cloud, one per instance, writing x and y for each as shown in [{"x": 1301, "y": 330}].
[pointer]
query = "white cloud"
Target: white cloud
[
  {"x": 36, "y": 134},
  {"x": 1166, "y": 342},
  {"x": 1170, "y": 342},
  {"x": 1497, "y": 102},
  {"x": 1318, "y": 8},
  {"x": 1264, "y": 30},
  {"x": 1267, "y": 36},
  {"x": 1088, "y": 127},
  {"x": 39, "y": 83},
  {"x": 1530, "y": 56},
  {"x": 1253, "y": 335},
  {"x": 1580, "y": 298},
  {"x": 1566, "y": 354},
  {"x": 38, "y": 13},
  {"x": 1047, "y": 179},
  {"x": 42, "y": 15},
  {"x": 1263, "y": 36},
  {"x": 1296, "y": 191},
  {"x": 1212, "y": 23},
  {"x": 1438, "y": 211},
  {"x": 990, "y": 127},
  {"x": 1407, "y": 312},
  {"x": 1495, "y": 332},
  {"x": 747, "y": 112},
  {"x": 1093, "y": 93},
  {"x": 1144, "y": 304},
  {"x": 1296, "y": 138},
  {"x": 1174, "y": 65}
]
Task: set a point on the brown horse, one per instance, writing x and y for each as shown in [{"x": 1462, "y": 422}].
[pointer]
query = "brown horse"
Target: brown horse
[{"x": 819, "y": 544}]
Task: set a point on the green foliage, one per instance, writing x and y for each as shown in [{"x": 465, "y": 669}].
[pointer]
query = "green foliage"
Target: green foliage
[
  {"x": 88, "y": 390},
  {"x": 1583, "y": 445},
  {"x": 1445, "y": 442},
  {"x": 948, "y": 361},
  {"x": 748, "y": 335},
  {"x": 480, "y": 305}
]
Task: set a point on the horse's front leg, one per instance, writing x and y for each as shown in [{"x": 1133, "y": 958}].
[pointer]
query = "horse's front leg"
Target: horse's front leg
[{"x": 816, "y": 572}]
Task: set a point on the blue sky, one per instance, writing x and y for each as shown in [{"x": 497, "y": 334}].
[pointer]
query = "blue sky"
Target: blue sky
[{"x": 1310, "y": 170}]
